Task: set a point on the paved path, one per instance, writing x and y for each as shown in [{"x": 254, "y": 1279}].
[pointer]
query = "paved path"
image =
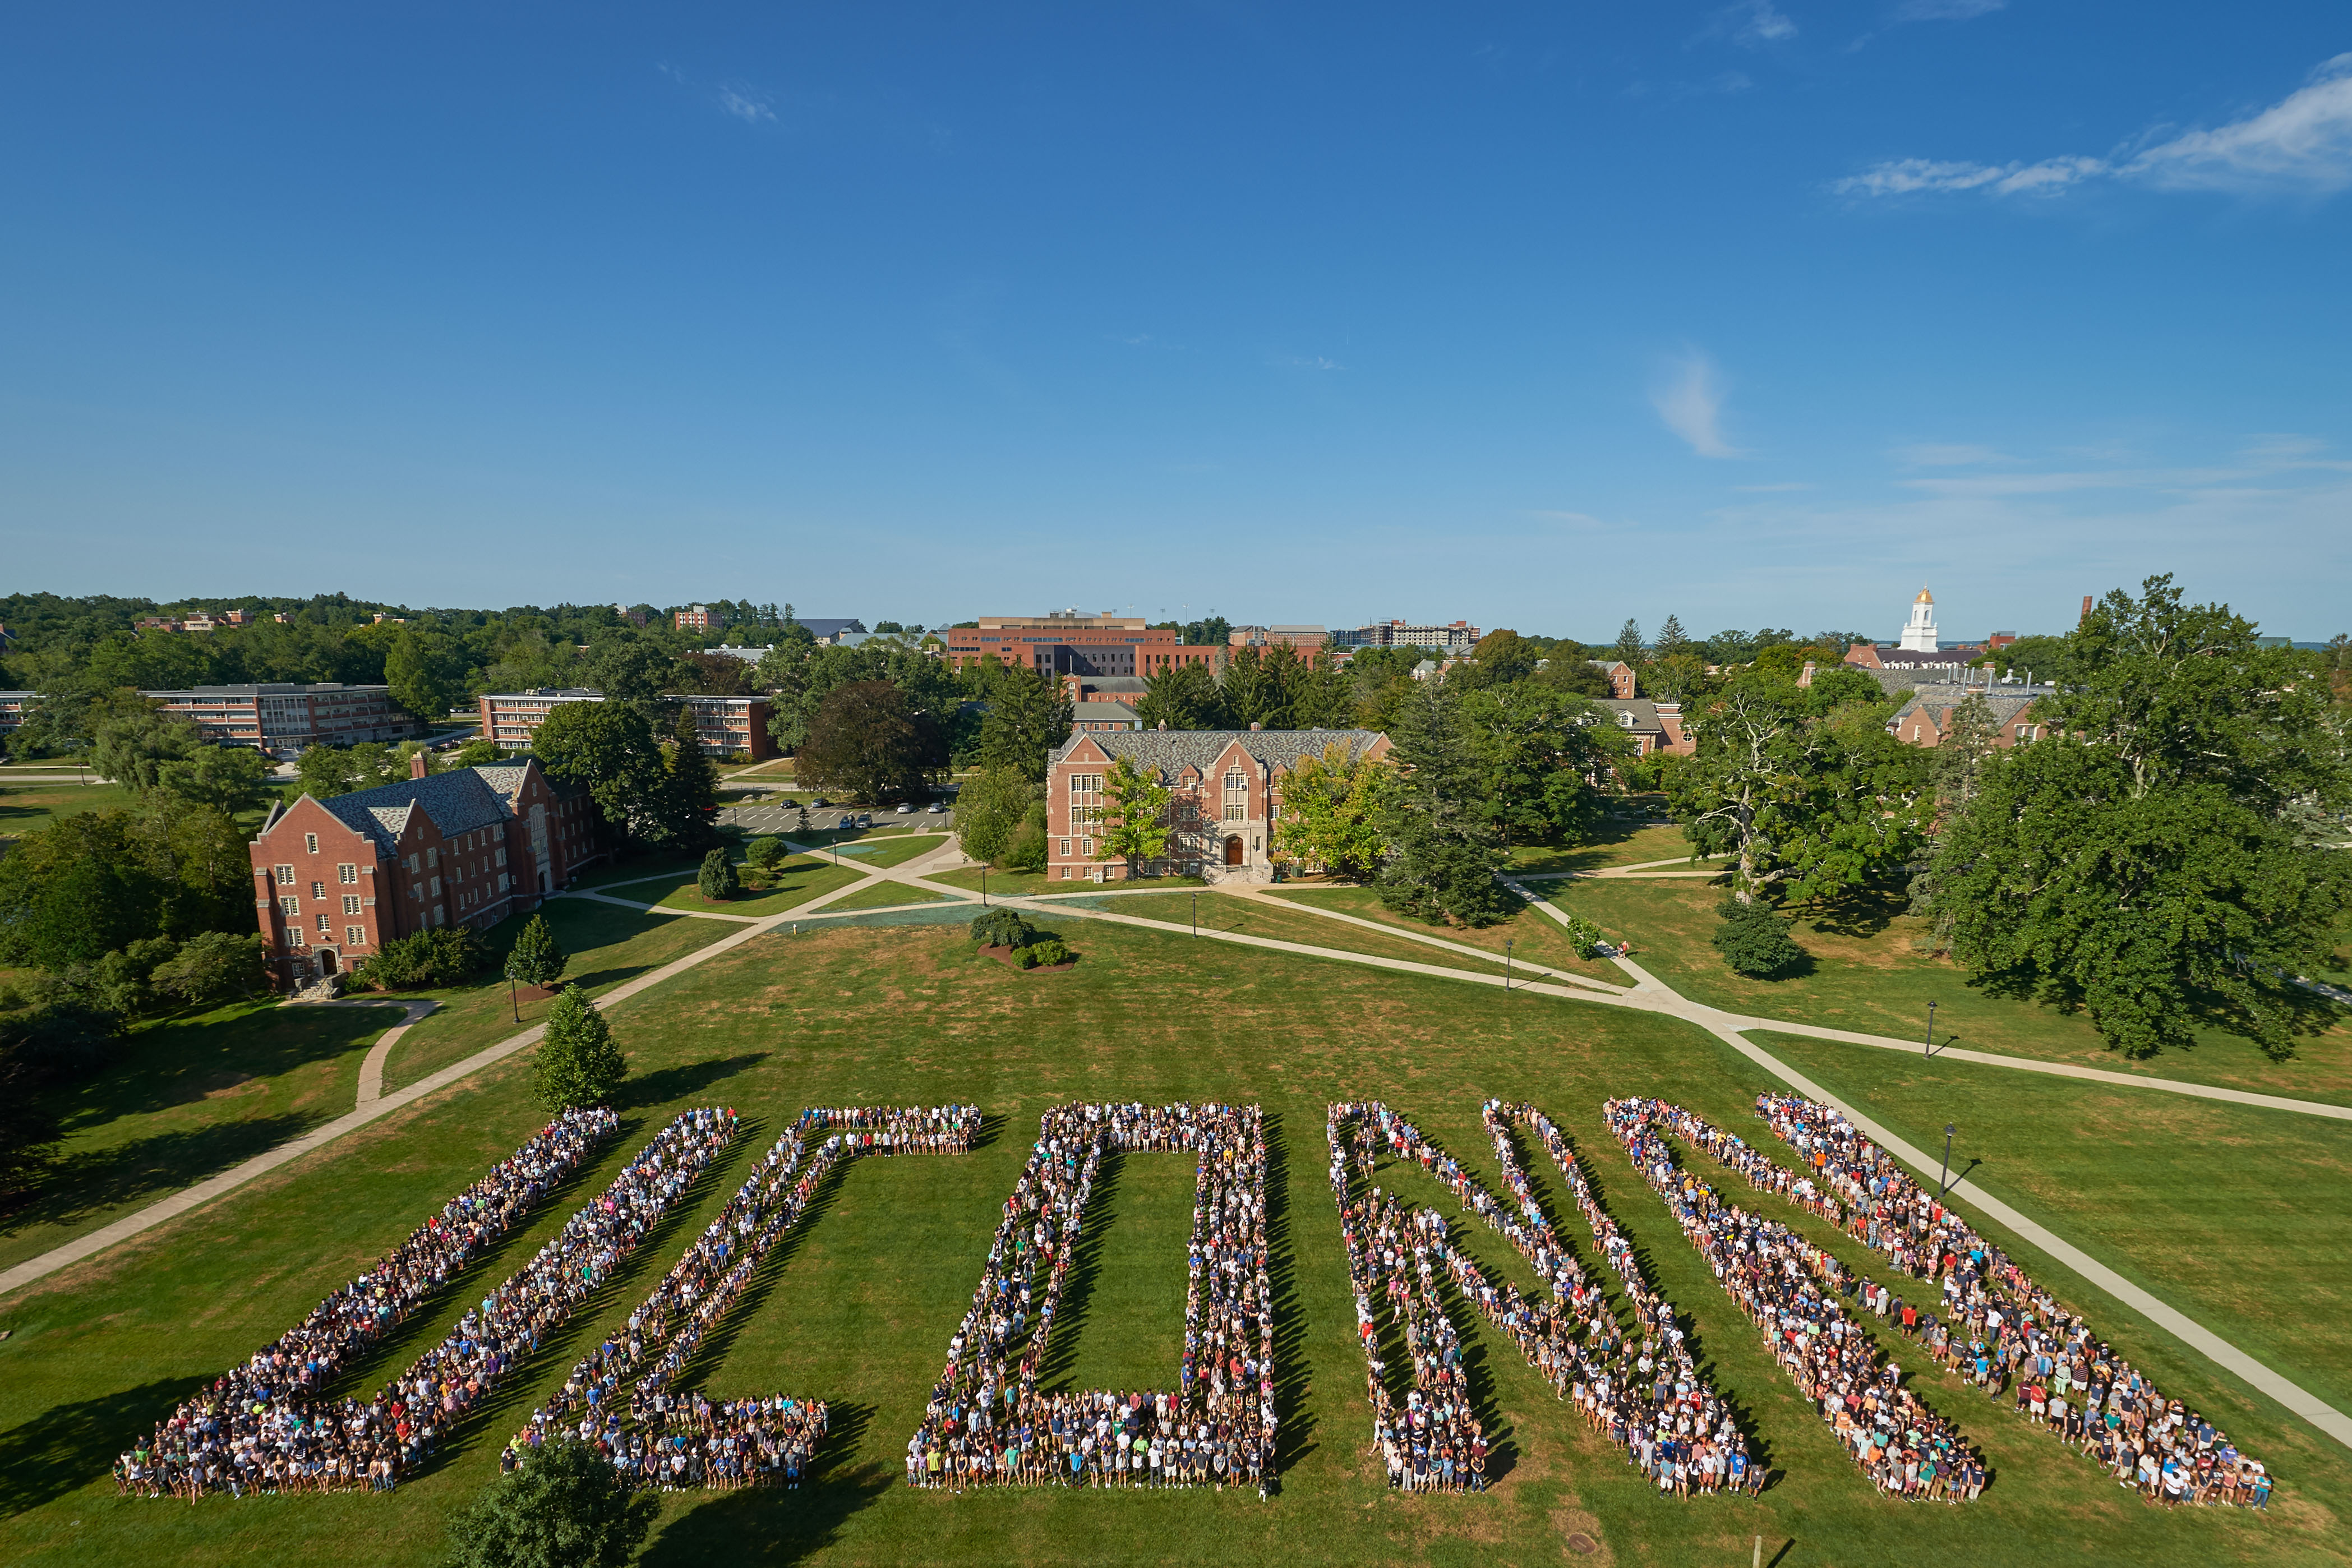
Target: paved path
[{"x": 372, "y": 1069}]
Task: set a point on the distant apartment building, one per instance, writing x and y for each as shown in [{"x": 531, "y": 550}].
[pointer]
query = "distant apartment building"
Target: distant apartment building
[
  {"x": 15, "y": 707},
  {"x": 1305, "y": 639},
  {"x": 1068, "y": 642},
  {"x": 696, "y": 619},
  {"x": 1654, "y": 726},
  {"x": 829, "y": 630},
  {"x": 1621, "y": 676},
  {"x": 725, "y": 726},
  {"x": 283, "y": 717},
  {"x": 1457, "y": 636}
]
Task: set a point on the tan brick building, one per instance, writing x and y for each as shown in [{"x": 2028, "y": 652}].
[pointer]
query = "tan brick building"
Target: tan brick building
[
  {"x": 1227, "y": 796},
  {"x": 334, "y": 879},
  {"x": 1065, "y": 641}
]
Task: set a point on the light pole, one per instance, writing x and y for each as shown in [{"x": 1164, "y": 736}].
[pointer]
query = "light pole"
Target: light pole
[
  {"x": 1943, "y": 1182},
  {"x": 511, "y": 1000},
  {"x": 1931, "y": 1030},
  {"x": 1196, "y": 914},
  {"x": 1506, "y": 963},
  {"x": 983, "y": 885}
]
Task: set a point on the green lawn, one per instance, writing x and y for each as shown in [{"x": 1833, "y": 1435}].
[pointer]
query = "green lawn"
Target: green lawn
[
  {"x": 608, "y": 945},
  {"x": 27, "y": 807},
  {"x": 899, "y": 851},
  {"x": 1619, "y": 841},
  {"x": 1277, "y": 922},
  {"x": 859, "y": 1310},
  {"x": 1010, "y": 884},
  {"x": 186, "y": 1099},
  {"x": 884, "y": 894},
  {"x": 637, "y": 868},
  {"x": 1535, "y": 937},
  {"x": 1868, "y": 975}
]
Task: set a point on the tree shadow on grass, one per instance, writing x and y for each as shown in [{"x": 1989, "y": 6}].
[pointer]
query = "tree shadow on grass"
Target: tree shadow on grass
[
  {"x": 80, "y": 1185},
  {"x": 1863, "y": 911},
  {"x": 1293, "y": 1379},
  {"x": 683, "y": 1082},
  {"x": 70, "y": 1446},
  {"x": 182, "y": 1062},
  {"x": 770, "y": 1525}
]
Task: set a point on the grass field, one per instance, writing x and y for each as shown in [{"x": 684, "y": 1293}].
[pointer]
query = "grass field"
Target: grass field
[
  {"x": 1619, "y": 841},
  {"x": 27, "y": 807},
  {"x": 859, "y": 1310},
  {"x": 1868, "y": 975},
  {"x": 1535, "y": 937},
  {"x": 898, "y": 851},
  {"x": 792, "y": 884},
  {"x": 1270, "y": 919},
  {"x": 1010, "y": 884},
  {"x": 882, "y": 895}
]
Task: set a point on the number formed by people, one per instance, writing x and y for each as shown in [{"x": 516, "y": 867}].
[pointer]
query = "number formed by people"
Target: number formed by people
[
  {"x": 1788, "y": 1288},
  {"x": 2002, "y": 1329},
  {"x": 1648, "y": 1396},
  {"x": 658, "y": 1438},
  {"x": 989, "y": 1423},
  {"x": 269, "y": 1426}
]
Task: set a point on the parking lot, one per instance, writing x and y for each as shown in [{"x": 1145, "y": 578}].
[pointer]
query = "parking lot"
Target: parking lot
[{"x": 767, "y": 814}]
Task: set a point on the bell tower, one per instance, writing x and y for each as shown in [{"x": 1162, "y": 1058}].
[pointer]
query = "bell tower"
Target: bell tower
[{"x": 1919, "y": 633}]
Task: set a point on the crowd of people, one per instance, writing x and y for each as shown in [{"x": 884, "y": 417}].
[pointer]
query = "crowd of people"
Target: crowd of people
[
  {"x": 654, "y": 1438},
  {"x": 1998, "y": 1328},
  {"x": 989, "y": 1423},
  {"x": 1789, "y": 1287},
  {"x": 269, "y": 1426},
  {"x": 1648, "y": 1396}
]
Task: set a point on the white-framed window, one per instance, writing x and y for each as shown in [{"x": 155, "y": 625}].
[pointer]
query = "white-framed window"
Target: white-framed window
[
  {"x": 291, "y": 908},
  {"x": 347, "y": 873},
  {"x": 285, "y": 875},
  {"x": 1066, "y": 849},
  {"x": 411, "y": 863},
  {"x": 1087, "y": 847},
  {"x": 293, "y": 936},
  {"x": 355, "y": 936},
  {"x": 1625, "y": 721},
  {"x": 501, "y": 858},
  {"x": 432, "y": 855},
  {"x": 323, "y": 926},
  {"x": 317, "y": 890},
  {"x": 436, "y": 887},
  {"x": 310, "y": 842},
  {"x": 351, "y": 903}
]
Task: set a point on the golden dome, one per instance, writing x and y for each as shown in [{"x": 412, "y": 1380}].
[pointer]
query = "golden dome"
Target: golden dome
[{"x": 1925, "y": 597}]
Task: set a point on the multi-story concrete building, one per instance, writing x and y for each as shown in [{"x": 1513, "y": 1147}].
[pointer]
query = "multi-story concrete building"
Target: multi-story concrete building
[
  {"x": 1306, "y": 639},
  {"x": 282, "y": 717},
  {"x": 1066, "y": 642},
  {"x": 334, "y": 879},
  {"x": 1227, "y": 794},
  {"x": 727, "y": 726},
  {"x": 1457, "y": 638},
  {"x": 14, "y": 708}
]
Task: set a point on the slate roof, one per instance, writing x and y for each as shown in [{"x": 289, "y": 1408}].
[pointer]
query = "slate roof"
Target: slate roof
[
  {"x": 1131, "y": 685},
  {"x": 2007, "y": 702},
  {"x": 1171, "y": 751},
  {"x": 458, "y": 801},
  {"x": 1645, "y": 712},
  {"x": 1102, "y": 713}
]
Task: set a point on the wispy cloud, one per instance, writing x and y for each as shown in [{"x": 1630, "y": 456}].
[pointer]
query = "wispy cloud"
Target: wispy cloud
[
  {"x": 1306, "y": 361},
  {"x": 2300, "y": 143},
  {"x": 1689, "y": 398},
  {"x": 1752, "y": 23},
  {"x": 743, "y": 106},
  {"x": 1933, "y": 455},
  {"x": 1945, "y": 10}
]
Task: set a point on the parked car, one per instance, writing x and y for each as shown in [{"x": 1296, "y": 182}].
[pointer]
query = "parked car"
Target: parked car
[
  {"x": 820, "y": 802},
  {"x": 789, "y": 804},
  {"x": 905, "y": 807},
  {"x": 938, "y": 809}
]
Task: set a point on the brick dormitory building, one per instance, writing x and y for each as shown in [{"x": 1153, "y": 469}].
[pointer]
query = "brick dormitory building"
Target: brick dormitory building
[
  {"x": 1226, "y": 790},
  {"x": 1066, "y": 642},
  {"x": 336, "y": 879},
  {"x": 725, "y": 726}
]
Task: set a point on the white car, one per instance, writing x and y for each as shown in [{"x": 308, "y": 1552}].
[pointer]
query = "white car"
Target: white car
[{"x": 905, "y": 807}]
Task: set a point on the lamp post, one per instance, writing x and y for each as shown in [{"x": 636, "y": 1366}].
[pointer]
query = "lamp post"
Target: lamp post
[
  {"x": 511, "y": 1000},
  {"x": 983, "y": 885},
  {"x": 1506, "y": 963},
  {"x": 1943, "y": 1182},
  {"x": 1931, "y": 1030},
  {"x": 1196, "y": 914}
]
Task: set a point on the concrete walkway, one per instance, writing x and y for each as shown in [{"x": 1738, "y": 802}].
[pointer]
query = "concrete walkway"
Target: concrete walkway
[{"x": 372, "y": 1069}]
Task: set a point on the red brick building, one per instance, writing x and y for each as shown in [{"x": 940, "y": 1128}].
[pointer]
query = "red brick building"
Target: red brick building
[
  {"x": 1064, "y": 642},
  {"x": 334, "y": 879},
  {"x": 725, "y": 726},
  {"x": 1654, "y": 726},
  {"x": 1227, "y": 795}
]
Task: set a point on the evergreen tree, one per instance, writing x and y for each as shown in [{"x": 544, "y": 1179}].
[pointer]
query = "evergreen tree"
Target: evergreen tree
[
  {"x": 1755, "y": 941},
  {"x": 577, "y": 1066},
  {"x": 1184, "y": 697},
  {"x": 1627, "y": 649},
  {"x": 536, "y": 960},
  {"x": 1958, "y": 761},
  {"x": 563, "y": 1508},
  {"x": 1027, "y": 717},
  {"x": 1444, "y": 859},
  {"x": 717, "y": 879},
  {"x": 692, "y": 795},
  {"x": 1671, "y": 640}
]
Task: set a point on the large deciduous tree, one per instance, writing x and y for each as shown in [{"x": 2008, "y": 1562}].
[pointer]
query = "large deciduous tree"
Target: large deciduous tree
[
  {"x": 1135, "y": 828},
  {"x": 577, "y": 1065},
  {"x": 607, "y": 748},
  {"x": 1542, "y": 751},
  {"x": 870, "y": 743},
  {"x": 427, "y": 672},
  {"x": 989, "y": 809},
  {"x": 2165, "y": 858},
  {"x": 564, "y": 1508},
  {"x": 1335, "y": 812}
]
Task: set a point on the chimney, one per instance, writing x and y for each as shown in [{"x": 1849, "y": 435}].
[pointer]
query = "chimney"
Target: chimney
[
  {"x": 1163, "y": 724},
  {"x": 1255, "y": 725},
  {"x": 1805, "y": 675},
  {"x": 2086, "y": 608},
  {"x": 416, "y": 764}
]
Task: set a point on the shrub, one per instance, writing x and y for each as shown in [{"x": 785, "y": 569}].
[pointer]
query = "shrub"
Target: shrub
[
  {"x": 450, "y": 956},
  {"x": 213, "y": 966},
  {"x": 1755, "y": 941},
  {"x": 1003, "y": 928},
  {"x": 564, "y": 1505},
  {"x": 767, "y": 854},
  {"x": 1026, "y": 850},
  {"x": 536, "y": 960},
  {"x": 1049, "y": 951},
  {"x": 718, "y": 879},
  {"x": 1026, "y": 957},
  {"x": 577, "y": 1065},
  {"x": 1583, "y": 936}
]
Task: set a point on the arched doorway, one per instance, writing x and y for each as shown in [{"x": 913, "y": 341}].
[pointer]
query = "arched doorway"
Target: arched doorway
[
  {"x": 326, "y": 961},
  {"x": 1232, "y": 851}
]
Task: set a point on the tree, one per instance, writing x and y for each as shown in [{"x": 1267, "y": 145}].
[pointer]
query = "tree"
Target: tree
[
  {"x": 989, "y": 809},
  {"x": 228, "y": 778},
  {"x": 1541, "y": 751},
  {"x": 211, "y": 967},
  {"x": 1754, "y": 941},
  {"x": 577, "y": 1065},
  {"x": 1501, "y": 658},
  {"x": 1960, "y": 759},
  {"x": 608, "y": 750},
  {"x": 869, "y": 743},
  {"x": 1672, "y": 638},
  {"x": 75, "y": 890},
  {"x": 427, "y": 672},
  {"x": 136, "y": 741},
  {"x": 1001, "y": 927},
  {"x": 1026, "y": 850},
  {"x": 767, "y": 854},
  {"x": 450, "y": 956},
  {"x": 2153, "y": 861},
  {"x": 1027, "y": 718},
  {"x": 478, "y": 753},
  {"x": 536, "y": 959},
  {"x": 1444, "y": 859},
  {"x": 717, "y": 879},
  {"x": 631, "y": 670},
  {"x": 564, "y": 1508},
  {"x": 692, "y": 796},
  {"x": 1627, "y": 650},
  {"x": 1808, "y": 795},
  {"x": 1137, "y": 825},
  {"x": 1183, "y": 697},
  {"x": 1335, "y": 813}
]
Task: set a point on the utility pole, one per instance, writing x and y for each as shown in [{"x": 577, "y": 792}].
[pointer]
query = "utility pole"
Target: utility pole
[{"x": 1931, "y": 1030}]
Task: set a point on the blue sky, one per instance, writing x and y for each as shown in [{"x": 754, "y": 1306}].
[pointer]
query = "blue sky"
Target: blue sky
[{"x": 1541, "y": 316}]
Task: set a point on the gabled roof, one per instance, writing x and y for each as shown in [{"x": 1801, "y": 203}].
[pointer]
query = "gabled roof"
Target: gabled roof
[
  {"x": 1937, "y": 703},
  {"x": 458, "y": 801},
  {"x": 1644, "y": 711},
  {"x": 1167, "y": 751}
]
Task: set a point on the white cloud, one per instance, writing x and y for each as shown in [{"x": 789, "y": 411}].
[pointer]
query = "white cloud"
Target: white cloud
[
  {"x": 1689, "y": 398},
  {"x": 743, "y": 107},
  {"x": 1751, "y": 22},
  {"x": 2303, "y": 142}
]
